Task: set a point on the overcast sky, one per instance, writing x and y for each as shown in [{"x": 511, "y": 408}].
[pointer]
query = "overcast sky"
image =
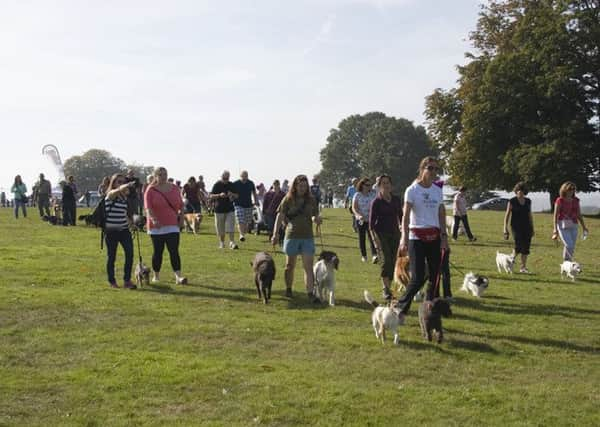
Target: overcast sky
[{"x": 202, "y": 86}]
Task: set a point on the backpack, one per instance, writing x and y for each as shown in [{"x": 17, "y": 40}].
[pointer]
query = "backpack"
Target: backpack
[{"x": 98, "y": 218}]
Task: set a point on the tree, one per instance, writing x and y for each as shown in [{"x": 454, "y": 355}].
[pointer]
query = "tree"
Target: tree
[
  {"x": 373, "y": 144},
  {"x": 93, "y": 165},
  {"x": 526, "y": 107}
]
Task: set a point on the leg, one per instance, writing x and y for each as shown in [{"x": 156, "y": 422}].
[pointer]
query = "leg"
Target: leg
[
  {"x": 127, "y": 243},
  {"x": 465, "y": 221},
  {"x": 309, "y": 277},
  {"x": 362, "y": 230},
  {"x": 290, "y": 264},
  {"x": 446, "y": 274},
  {"x": 416, "y": 253},
  {"x": 455, "y": 226},
  {"x": 172, "y": 242},
  {"x": 158, "y": 245},
  {"x": 220, "y": 228},
  {"x": 258, "y": 291},
  {"x": 112, "y": 241},
  {"x": 433, "y": 256}
]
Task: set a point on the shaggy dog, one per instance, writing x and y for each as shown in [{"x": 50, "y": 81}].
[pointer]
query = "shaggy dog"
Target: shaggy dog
[
  {"x": 401, "y": 272},
  {"x": 571, "y": 269},
  {"x": 142, "y": 274},
  {"x": 430, "y": 317},
  {"x": 192, "y": 222},
  {"x": 264, "y": 274},
  {"x": 475, "y": 284},
  {"x": 505, "y": 262},
  {"x": 384, "y": 318},
  {"x": 324, "y": 271}
]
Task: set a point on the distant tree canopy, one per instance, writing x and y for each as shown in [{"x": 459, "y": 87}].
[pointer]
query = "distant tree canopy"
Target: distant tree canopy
[
  {"x": 526, "y": 105},
  {"x": 372, "y": 144},
  {"x": 93, "y": 165}
]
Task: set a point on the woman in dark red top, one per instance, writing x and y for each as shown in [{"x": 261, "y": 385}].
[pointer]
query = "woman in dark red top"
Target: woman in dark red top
[
  {"x": 567, "y": 215},
  {"x": 385, "y": 219}
]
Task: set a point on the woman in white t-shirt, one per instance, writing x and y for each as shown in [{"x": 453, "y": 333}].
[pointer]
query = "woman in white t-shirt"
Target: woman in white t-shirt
[
  {"x": 361, "y": 205},
  {"x": 423, "y": 231}
]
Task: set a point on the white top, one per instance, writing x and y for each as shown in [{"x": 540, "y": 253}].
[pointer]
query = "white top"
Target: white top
[
  {"x": 459, "y": 206},
  {"x": 425, "y": 206},
  {"x": 364, "y": 203}
]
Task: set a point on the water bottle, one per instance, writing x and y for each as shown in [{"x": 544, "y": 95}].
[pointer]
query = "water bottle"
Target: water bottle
[{"x": 584, "y": 235}]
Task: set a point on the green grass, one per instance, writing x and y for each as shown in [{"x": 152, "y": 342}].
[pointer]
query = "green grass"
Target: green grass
[{"x": 74, "y": 352}]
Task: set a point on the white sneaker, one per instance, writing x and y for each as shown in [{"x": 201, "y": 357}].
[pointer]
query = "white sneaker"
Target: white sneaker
[
  {"x": 375, "y": 259},
  {"x": 155, "y": 280},
  {"x": 242, "y": 238},
  {"x": 232, "y": 245},
  {"x": 363, "y": 259},
  {"x": 221, "y": 245}
]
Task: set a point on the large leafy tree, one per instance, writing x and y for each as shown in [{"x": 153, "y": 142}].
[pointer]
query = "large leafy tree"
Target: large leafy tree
[
  {"x": 526, "y": 105},
  {"x": 370, "y": 145},
  {"x": 93, "y": 165}
]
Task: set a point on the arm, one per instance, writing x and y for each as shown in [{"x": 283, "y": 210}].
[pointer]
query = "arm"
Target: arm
[
  {"x": 531, "y": 223},
  {"x": 506, "y": 217},
  {"x": 280, "y": 218},
  {"x": 442, "y": 220},
  {"x": 355, "y": 211},
  {"x": 555, "y": 222},
  {"x": 122, "y": 190},
  {"x": 403, "y": 249}
]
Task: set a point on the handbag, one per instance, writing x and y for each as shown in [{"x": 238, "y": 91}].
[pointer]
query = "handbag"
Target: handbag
[
  {"x": 180, "y": 221},
  {"x": 24, "y": 199}
]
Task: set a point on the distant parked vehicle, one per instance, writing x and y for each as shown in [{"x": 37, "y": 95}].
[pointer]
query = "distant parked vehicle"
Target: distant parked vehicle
[
  {"x": 94, "y": 199},
  {"x": 494, "y": 204}
]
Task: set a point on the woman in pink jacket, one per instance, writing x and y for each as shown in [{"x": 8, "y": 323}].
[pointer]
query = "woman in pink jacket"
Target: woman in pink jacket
[{"x": 163, "y": 207}]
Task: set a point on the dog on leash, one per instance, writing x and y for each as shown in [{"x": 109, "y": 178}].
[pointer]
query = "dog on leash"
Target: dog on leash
[
  {"x": 475, "y": 284},
  {"x": 324, "y": 271},
  {"x": 430, "y": 318},
  {"x": 264, "y": 275},
  {"x": 192, "y": 222},
  {"x": 383, "y": 318},
  {"x": 142, "y": 274},
  {"x": 505, "y": 262},
  {"x": 571, "y": 269},
  {"x": 401, "y": 272}
]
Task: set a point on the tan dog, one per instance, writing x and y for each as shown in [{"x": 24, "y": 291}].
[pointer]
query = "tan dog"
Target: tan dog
[
  {"x": 192, "y": 222},
  {"x": 401, "y": 273}
]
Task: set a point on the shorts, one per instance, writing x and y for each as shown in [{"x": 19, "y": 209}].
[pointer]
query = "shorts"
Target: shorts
[
  {"x": 293, "y": 247},
  {"x": 225, "y": 222},
  {"x": 243, "y": 215}
]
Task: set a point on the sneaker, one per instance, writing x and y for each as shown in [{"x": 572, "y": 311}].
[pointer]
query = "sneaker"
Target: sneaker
[
  {"x": 363, "y": 259},
  {"x": 288, "y": 292},
  {"x": 129, "y": 285},
  {"x": 233, "y": 245},
  {"x": 221, "y": 245},
  {"x": 474, "y": 239},
  {"x": 181, "y": 281},
  {"x": 375, "y": 259},
  {"x": 155, "y": 280},
  {"x": 524, "y": 270},
  {"x": 113, "y": 284},
  {"x": 242, "y": 238},
  {"x": 386, "y": 294}
]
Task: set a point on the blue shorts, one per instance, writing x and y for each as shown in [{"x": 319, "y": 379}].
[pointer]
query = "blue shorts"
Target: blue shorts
[{"x": 293, "y": 247}]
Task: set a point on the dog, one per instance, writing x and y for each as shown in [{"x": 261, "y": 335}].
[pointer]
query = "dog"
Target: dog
[
  {"x": 142, "y": 274},
  {"x": 475, "y": 284},
  {"x": 324, "y": 271},
  {"x": 571, "y": 269},
  {"x": 430, "y": 318},
  {"x": 85, "y": 218},
  {"x": 401, "y": 272},
  {"x": 192, "y": 222},
  {"x": 384, "y": 318},
  {"x": 264, "y": 275},
  {"x": 505, "y": 262}
]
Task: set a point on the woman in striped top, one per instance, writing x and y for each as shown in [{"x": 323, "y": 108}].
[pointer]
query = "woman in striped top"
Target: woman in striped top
[{"x": 117, "y": 229}]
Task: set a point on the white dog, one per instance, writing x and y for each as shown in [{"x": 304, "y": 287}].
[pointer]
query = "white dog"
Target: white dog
[
  {"x": 384, "y": 318},
  {"x": 324, "y": 271},
  {"x": 505, "y": 262},
  {"x": 570, "y": 268},
  {"x": 475, "y": 284}
]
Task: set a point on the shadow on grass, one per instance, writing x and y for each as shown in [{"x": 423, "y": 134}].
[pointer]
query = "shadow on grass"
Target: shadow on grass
[
  {"x": 520, "y": 309},
  {"x": 472, "y": 346}
]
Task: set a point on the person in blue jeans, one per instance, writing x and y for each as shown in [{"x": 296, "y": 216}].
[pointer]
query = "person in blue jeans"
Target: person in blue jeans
[{"x": 20, "y": 199}]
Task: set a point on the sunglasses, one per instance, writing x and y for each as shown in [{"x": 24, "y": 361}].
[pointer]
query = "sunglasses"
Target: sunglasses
[{"x": 432, "y": 168}]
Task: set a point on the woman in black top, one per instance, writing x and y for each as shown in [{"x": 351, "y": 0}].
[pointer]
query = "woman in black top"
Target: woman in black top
[{"x": 521, "y": 223}]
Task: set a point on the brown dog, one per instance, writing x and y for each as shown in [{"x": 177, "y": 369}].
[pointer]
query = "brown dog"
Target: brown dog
[
  {"x": 430, "y": 317},
  {"x": 401, "y": 273},
  {"x": 264, "y": 274},
  {"x": 192, "y": 222}
]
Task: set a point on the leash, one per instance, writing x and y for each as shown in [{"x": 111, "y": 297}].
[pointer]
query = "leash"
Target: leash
[
  {"x": 436, "y": 287},
  {"x": 320, "y": 236},
  {"x": 137, "y": 237}
]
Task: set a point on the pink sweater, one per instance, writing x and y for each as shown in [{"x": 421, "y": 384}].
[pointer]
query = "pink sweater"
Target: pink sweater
[{"x": 165, "y": 214}]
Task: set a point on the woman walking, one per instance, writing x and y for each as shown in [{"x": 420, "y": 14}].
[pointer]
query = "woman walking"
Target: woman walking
[
  {"x": 19, "y": 198},
  {"x": 163, "y": 207},
  {"x": 361, "y": 206},
  {"x": 567, "y": 216},
  {"x": 298, "y": 210},
  {"x": 117, "y": 229},
  {"x": 385, "y": 217},
  {"x": 423, "y": 232},
  {"x": 518, "y": 211}
]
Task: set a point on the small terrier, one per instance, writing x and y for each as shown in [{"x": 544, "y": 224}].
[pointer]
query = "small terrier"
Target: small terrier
[
  {"x": 505, "y": 262},
  {"x": 475, "y": 284},
  {"x": 571, "y": 269},
  {"x": 142, "y": 274},
  {"x": 383, "y": 318}
]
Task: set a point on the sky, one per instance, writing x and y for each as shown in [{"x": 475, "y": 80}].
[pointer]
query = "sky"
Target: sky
[{"x": 202, "y": 86}]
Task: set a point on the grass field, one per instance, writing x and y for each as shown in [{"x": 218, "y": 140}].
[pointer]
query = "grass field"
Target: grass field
[{"x": 75, "y": 352}]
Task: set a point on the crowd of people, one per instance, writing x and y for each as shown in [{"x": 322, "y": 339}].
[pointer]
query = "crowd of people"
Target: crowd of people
[{"x": 414, "y": 225}]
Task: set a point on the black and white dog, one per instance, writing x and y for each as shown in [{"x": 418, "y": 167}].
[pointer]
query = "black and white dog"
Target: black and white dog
[
  {"x": 475, "y": 284},
  {"x": 324, "y": 271},
  {"x": 264, "y": 275},
  {"x": 383, "y": 318}
]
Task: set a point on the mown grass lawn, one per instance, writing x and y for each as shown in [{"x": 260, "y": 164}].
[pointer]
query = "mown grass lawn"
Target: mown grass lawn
[{"x": 75, "y": 352}]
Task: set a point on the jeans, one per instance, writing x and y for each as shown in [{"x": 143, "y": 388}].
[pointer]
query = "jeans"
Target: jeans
[
  {"x": 569, "y": 238},
  {"x": 363, "y": 232},
  {"x": 23, "y": 206},
  {"x": 418, "y": 252},
  {"x": 465, "y": 222},
  {"x": 113, "y": 238},
  {"x": 159, "y": 241}
]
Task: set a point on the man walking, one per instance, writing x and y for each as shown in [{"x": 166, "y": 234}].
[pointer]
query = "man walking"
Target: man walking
[
  {"x": 44, "y": 191},
  {"x": 223, "y": 194},
  {"x": 246, "y": 190}
]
